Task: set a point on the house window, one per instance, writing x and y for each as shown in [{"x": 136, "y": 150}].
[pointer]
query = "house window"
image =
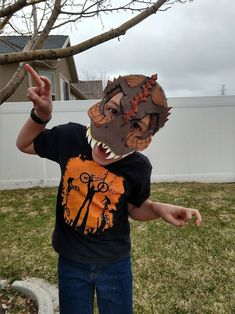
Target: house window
[
  {"x": 64, "y": 89},
  {"x": 51, "y": 77}
]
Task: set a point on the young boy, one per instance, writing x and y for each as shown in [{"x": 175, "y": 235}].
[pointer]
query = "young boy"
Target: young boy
[{"x": 104, "y": 180}]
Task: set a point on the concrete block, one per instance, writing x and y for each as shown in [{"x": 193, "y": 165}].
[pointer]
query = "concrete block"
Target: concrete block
[
  {"x": 37, "y": 294},
  {"x": 3, "y": 284}
]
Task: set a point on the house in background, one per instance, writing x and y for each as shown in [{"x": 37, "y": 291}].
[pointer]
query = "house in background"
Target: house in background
[
  {"x": 61, "y": 72},
  {"x": 92, "y": 89}
]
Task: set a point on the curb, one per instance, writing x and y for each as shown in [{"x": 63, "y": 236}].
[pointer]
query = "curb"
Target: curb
[
  {"x": 3, "y": 284},
  {"x": 51, "y": 289},
  {"x": 37, "y": 294}
]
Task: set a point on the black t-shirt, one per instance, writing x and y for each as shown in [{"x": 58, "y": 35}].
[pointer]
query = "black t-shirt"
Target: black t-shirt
[{"x": 91, "y": 213}]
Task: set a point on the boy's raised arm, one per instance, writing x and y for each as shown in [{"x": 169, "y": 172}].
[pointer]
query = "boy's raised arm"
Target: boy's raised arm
[{"x": 41, "y": 113}]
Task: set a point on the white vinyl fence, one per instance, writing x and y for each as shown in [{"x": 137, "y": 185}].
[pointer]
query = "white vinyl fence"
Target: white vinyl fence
[{"x": 196, "y": 144}]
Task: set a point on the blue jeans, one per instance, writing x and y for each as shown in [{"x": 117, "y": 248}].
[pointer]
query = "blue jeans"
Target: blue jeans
[{"x": 78, "y": 283}]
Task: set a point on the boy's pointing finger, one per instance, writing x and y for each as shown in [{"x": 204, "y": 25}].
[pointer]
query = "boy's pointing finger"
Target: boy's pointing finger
[{"x": 34, "y": 74}]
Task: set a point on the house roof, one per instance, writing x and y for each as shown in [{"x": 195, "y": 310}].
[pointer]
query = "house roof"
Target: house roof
[
  {"x": 10, "y": 44},
  {"x": 90, "y": 89},
  {"x": 84, "y": 89}
]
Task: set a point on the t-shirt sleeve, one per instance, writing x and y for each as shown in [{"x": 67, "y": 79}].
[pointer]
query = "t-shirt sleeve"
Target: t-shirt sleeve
[
  {"x": 46, "y": 144},
  {"x": 142, "y": 183}
]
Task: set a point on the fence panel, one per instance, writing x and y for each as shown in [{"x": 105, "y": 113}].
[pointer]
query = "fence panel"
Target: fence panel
[{"x": 197, "y": 143}]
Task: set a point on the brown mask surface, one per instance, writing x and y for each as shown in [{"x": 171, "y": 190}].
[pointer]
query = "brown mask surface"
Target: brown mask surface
[{"x": 141, "y": 96}]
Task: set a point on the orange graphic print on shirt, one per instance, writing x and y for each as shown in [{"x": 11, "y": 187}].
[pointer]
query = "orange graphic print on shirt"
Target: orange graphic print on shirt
[{"x": 89, "y": 197}]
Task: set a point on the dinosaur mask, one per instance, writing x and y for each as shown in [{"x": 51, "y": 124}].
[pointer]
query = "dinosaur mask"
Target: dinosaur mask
[{"x": 116, "y": 125}]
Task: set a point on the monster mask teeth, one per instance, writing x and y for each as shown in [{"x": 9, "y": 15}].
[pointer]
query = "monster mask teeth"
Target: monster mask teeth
[
  {"x": 89, "y": 138},
  {"x": 117, "y": 156},
  {"x": 111, "y": 155},
  {"x": 88, "y": 131},
  {"x": 92, "y": 143},
  {"x": 88, "y": 135},
  {"x": 105, "y": 146}
]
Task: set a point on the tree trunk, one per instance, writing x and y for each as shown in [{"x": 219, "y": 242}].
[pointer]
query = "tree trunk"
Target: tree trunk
[{"x": 19, "y": 75}]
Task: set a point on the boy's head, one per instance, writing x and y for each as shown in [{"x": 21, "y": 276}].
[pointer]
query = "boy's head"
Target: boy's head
[{"x": 133, "y": 109}]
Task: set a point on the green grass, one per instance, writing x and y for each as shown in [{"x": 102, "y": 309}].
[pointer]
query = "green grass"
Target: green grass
[{"x": 175, "y": 270}]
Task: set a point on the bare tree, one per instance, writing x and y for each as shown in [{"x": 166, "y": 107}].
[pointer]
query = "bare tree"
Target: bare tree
[
  {"x": 40, "y": 17},
  {"x": 94, "y": 76}
]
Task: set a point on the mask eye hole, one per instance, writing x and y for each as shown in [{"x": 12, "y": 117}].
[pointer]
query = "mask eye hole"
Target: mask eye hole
[
  {"x": 140, "y": 126},
  {"x": 136, "y": 126},
  {"x": 111, "y": 109}
]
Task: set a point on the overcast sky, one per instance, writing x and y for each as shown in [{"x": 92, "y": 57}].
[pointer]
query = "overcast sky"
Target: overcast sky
[{"x": 191, "y": 47}]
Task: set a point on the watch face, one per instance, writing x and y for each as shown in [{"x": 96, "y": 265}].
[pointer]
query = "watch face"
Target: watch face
[{"x": 131, "y": 112}]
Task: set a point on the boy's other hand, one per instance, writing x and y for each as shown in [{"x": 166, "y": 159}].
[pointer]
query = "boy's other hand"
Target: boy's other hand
[{"x": 177, "y": 215}]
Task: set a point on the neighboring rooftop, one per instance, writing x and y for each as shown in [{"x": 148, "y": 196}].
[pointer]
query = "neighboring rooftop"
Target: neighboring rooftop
[
  {"x": 83, "y": 89},
  {"x": 10, "y": 44},
  {"x": 90, "y": 89}
]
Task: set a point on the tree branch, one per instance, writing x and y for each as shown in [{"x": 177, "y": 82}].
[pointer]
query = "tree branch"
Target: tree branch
[
  {"x": 76, "y": 49},
  {"x": 49, "y": 25},
  {"x": 18, "y": 5},
  {"x": 4, "y": 22},
  {"x": 19, "y": 75},
  {"x": 16, "y": 79}
]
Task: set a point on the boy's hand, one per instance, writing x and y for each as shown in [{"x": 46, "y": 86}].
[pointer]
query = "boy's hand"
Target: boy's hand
[
  {"x": 177, "y": 215},
  {"x": 40, "y": 94},
  {"x": 173, "y": 214}
]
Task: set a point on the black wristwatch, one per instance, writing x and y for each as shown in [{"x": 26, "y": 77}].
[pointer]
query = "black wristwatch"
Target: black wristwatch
[{"x": 37, "y": 119}]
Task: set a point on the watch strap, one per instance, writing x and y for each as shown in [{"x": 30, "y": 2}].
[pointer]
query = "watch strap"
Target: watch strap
[{"x": 36, "y": 119}]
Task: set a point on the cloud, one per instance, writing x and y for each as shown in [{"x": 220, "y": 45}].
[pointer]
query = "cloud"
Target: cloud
[{"x": 190, "y": 46}]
